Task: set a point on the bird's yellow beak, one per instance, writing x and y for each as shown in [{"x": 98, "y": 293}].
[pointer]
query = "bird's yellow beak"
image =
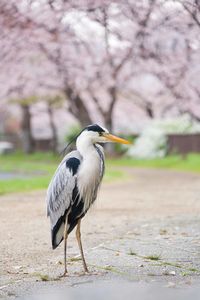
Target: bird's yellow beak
[{"x": 115, "y": 139}]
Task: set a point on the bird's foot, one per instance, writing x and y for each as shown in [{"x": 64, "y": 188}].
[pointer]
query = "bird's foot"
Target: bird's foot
[
  {"x": 86, "y": 271},
  {"x": 81, "y": 273},
  {"x": 97, "y": 273},
  {"x": 65, "y": 274}
]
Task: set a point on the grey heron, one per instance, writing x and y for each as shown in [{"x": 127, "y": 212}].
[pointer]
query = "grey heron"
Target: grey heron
[{"x": 74, "y": 186}]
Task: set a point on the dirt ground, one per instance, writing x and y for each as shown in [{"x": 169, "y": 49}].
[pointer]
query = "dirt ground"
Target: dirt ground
[{"x": 146, "y": 197}]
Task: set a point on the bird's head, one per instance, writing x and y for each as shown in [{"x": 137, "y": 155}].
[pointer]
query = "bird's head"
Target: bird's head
[
  {"x": 93, "y": 134},
  {"x": 97, "y": 134}
]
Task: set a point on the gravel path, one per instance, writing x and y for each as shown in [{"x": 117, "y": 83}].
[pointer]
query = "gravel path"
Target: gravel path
[{"x": 143, "y": 229}]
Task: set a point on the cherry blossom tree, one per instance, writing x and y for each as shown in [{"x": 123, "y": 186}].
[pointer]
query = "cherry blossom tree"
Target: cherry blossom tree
[{"x": 97, "y": 54}]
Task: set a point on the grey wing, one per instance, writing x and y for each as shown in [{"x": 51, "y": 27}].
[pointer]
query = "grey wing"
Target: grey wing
[
  {"x": 100, "y": 151},
  {"x": 60, "y": 190}
]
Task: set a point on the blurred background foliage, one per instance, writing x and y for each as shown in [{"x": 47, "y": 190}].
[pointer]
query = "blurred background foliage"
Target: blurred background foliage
[{"x": 131, "y": 66}]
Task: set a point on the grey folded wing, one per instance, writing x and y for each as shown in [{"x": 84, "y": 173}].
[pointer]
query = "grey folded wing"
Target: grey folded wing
[{"x": 60, "y": 190}]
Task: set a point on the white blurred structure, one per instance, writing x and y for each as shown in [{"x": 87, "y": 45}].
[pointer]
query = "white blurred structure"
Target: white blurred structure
[
  {"x": 6, "y": 147},
  {"x": 152, "y": 143}
]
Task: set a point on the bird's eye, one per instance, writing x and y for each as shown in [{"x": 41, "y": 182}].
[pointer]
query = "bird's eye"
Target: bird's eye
[{"x": 100, "y": 133}]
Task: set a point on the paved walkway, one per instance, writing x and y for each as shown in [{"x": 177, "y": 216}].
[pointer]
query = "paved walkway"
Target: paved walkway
[{"x": 144, "y": 229}]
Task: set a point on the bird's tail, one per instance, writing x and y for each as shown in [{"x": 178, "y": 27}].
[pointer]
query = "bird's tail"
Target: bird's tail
[{"x": 57, "y": 233}]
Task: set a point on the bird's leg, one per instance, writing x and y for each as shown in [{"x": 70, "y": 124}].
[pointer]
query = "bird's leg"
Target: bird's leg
[
  {"x": 78, "y": 236},
  {"x": 65, "y": 246}
]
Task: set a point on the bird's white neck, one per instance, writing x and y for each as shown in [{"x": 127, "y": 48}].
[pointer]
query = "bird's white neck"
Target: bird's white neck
[
  {"x": 84, "y": 146},
  {"x": 88, "y": 175}
]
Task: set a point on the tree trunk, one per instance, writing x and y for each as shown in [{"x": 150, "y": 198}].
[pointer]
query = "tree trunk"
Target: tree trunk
[
  {"x": 54, "y": 143},
  {"x": 78, "y": 108},
  {"x": 109, "y": 147},
  {"x": 108, "y": 117},
  {"x": 108, "y": 121},
  {"x": 27, "y": 138},
  {"x": 149, "y": 111}
]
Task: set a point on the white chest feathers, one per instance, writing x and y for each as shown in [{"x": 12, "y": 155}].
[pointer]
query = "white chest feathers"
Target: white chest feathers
[{"x": 89, "y": 178}]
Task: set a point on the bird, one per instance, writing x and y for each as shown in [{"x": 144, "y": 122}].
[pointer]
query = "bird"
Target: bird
[{"x": 75, "y": 184}]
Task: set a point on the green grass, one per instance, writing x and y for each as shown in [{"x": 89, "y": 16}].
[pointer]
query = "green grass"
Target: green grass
[
  {"x": 38, "y": 168},
  {"x": 37, "y": 162},
  {"x": 189, "y": 163},
  {"x": 23, "y": 185},
  {"x": 152, "y": 257}
]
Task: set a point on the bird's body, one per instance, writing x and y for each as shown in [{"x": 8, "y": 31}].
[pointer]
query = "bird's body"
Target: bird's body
[
  {"x": 71, "y": 191},
  {"x": 73, "y": 188}
]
